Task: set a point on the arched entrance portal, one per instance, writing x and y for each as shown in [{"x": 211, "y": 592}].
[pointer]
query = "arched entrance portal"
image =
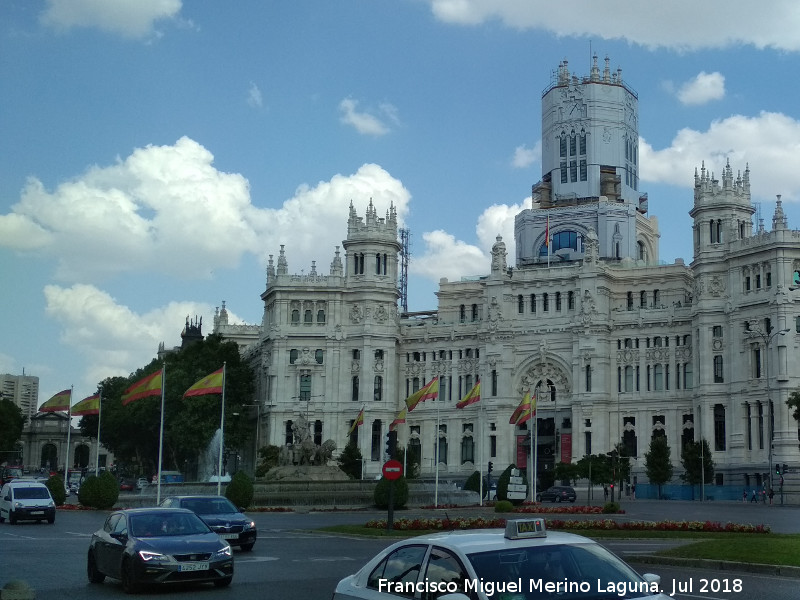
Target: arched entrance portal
[
  {"x": 49, "y": 457},
  {"x": 81, "y": 459}
]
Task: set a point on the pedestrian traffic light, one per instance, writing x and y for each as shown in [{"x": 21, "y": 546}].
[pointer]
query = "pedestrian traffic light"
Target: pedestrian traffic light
[
  {"x": 391, "y": 443},
  {"x": 490, "y": 467},
  {"x": 777, "y": 469}
]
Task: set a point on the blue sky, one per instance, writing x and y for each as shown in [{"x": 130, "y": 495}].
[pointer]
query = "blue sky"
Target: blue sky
[{"x": 156, "y": 152}]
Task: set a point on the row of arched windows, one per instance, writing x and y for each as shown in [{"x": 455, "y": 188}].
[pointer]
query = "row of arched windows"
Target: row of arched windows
[{"x": 545, "y": 301}]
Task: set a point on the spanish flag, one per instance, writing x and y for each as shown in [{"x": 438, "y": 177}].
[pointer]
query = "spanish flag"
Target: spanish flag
[
  {"x": 426, "y": 392},
  {"x": 210, "y": 384},
  {"x": 149, "y": 386},
  {"x": 357, "y": 423},
  {"x": 399, "y": 419},
  {"x": 87, "y": 406},
  {"x": 473, "y": 396},
  {"x": 59, "y": 402},
  {"x": 524, "y": 411}
]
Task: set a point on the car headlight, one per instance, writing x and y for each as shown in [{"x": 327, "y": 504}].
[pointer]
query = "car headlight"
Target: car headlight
[
  {"x": 148, "y": 556},
  {"x": 224, "y": 553},
  {"x": 51, "y": 504},
  {"x": 249, "y": 525},
  {"x": 17, "y": 504}
]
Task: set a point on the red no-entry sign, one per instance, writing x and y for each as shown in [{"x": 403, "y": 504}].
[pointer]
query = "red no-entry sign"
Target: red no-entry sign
[{"x": 392, "y": 469}]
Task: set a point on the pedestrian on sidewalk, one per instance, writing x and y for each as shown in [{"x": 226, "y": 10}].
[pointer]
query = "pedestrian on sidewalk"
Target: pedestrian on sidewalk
[
  {"x": 771, "y": 495},
  {"x": 753, "y": 498},
  {"x": 744, "y": 495},
  {"x": 633, "y": 492}
]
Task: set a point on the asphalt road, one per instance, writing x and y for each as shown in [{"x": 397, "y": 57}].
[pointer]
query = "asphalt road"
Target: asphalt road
[{"x": 291, "y": 563}]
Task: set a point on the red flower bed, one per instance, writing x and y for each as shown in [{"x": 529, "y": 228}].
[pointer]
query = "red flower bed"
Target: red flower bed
[{"x": 585, "y": 525}]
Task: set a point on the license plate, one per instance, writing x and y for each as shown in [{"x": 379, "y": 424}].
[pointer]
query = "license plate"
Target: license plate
[
  {"x": 229, "y": 536},
  {"x": 194, "y": 566},
  {"x": 37, "y": 512}
]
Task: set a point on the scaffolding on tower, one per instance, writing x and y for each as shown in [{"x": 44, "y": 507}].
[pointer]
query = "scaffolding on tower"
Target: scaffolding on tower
[{"x": 405, "y": 258}]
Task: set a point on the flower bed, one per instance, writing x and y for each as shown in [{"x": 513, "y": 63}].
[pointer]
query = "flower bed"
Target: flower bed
[{"x": 586, "y": 525}]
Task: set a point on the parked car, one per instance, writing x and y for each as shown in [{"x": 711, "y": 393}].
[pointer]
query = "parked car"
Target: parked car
[
  {"x": 26, "y": 500},
  {"x": 158, "y": 546},
  {"x": 222, "y": 516},
  {"x": 142, "y": 483},
  {"x": 475, "y": 565},
  {"x": 557, "y": 493},
  {"x": 126, "y": 485}
]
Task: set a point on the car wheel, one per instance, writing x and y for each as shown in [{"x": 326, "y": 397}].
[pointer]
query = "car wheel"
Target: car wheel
[
  {"x": 573, "y": 500},
  {"x": 12, "y": 518},
  {"x": 51, "y": 520},
  {"x": 92, "y": 573},
  {"x": 247, "y": 547},
  {"x": 224, "y": 582},
  {"x": 128, "y": 578}
]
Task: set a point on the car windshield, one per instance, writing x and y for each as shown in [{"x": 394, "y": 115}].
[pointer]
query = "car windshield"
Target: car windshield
[
  {"x": 209, "y": 506},
  {"x": 580, "y": 571},
  {"x": 165, "y": 524},
  {"x": 31, "y": 493}
]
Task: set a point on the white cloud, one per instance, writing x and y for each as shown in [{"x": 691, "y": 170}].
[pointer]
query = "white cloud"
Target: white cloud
[
  {"x": 128, "y": 18},
  {"x": 254, "y": 96},
  {"x": 704, "y": 88},
  {"x": 113, "y": 338},
  {"x": 166, "y": 209},
  {"x": 679, "y": 24},
  {"x": 525, "y": 157},
  {"x": 769, "y": 143},
  {"x": 366, "y": 122},
  {"x": 445, "y": 256}
]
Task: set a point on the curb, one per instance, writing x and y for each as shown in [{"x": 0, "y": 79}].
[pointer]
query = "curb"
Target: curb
[{"x": 721, "y": 565}]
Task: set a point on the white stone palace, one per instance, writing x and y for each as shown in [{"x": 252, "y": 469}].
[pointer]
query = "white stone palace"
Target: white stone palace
[{"x": 617, "y": 346}]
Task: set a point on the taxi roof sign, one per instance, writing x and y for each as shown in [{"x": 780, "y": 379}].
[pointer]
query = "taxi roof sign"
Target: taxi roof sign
[{"x": 525, "y": 528}]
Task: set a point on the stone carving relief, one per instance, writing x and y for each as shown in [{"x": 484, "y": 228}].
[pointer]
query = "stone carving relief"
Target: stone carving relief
[{"x": 356, "y": 314}]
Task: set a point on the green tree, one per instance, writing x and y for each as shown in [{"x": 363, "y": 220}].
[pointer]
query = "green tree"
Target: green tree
[
  {"x": 350, "y": 461},
  {"x": 567, "y": 471},
  {"x": 794, "y": 403},
  {"x": 11, "y": 423},
  {"x": 694, "y": 455},
  {"x": 240, "y": 490},
  {"x": 657, "y": 463},
  {"x": 132, "y": 432}
]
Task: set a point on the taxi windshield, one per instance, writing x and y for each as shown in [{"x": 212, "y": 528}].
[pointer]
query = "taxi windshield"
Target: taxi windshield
[{"x": 578, "y": 571}]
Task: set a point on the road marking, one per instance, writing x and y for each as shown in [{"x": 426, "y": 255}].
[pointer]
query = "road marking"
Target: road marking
[
  {"x": 78, "y": 533},
  {"x": 323, "y": 559},
  {"x": 256, "y": 559},
  {"x": 22, "y": 537}
]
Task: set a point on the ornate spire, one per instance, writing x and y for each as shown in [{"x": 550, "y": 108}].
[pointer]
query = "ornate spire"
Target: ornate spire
[{"x": 283, "y": 266}]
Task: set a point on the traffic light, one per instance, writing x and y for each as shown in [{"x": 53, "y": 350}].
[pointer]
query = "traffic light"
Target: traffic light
[
  {"x": 777, "y": 469},
  {"x": 490, "y": 467},
  {"x": 391, "y": 443}
]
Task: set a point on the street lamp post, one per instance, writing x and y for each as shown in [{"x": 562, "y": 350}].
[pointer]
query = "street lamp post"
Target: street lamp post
[
  {"x": 767, "y": 338},
  {"x": 258, "y": 430}
]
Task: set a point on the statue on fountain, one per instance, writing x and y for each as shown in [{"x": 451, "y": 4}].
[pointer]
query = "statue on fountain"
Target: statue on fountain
[{"x": 305, "y": 460}]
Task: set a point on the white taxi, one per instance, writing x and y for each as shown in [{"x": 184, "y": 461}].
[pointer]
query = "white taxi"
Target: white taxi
[{"x": 523, "y": 562}]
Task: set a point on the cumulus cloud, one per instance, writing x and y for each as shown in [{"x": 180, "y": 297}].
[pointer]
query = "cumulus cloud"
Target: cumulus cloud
[
  {"x": 648, "y": 24},
  {"x": 111, "y": 336},
  {"x": 769, "y": 143},
  {"x": 446, "y": 256},
  {"x": 128, "y": 18},
  {"x": 703, "y": 88},
  {"x": 254, "y": 96},
  {"x": 166, "y": 209},
  {"x": 365, "y": 122},
  {"x": 525, "y": 157}
]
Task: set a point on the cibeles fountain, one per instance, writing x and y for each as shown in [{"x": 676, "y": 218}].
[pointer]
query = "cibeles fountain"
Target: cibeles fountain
[{"x": 304, "y": 460}]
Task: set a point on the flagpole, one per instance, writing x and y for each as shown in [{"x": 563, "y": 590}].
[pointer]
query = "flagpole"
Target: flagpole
[
  {"x": 69, "y": 431},
  {"x": 221, "y": 433},
  {"x": 535, "y": 444},
  {"x": 99, "y": 420},
  {"x": 547, "y": 240},
  {"x": 436, "y": 458},
  {"x": 480, "y": 433},
  {"x": 161, "y": 432}
]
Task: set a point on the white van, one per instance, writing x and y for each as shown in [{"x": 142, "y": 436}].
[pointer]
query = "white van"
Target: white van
[{"x": 26, "y": 500}]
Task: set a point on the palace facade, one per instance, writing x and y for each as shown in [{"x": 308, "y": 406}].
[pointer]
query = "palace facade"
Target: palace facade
[{"x": 617, "y": 346}]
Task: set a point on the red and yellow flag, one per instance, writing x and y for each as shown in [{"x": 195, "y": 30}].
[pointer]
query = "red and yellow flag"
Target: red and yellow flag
[
  {"x": 149, "y": 386},
  {"x": 210, "y": 384},
  {"x": 399, "y": 419},
  {"x": 357, "y": 423},
  {"x": 59, "y": 402},
  {"x": 426, "y": 392},
  {"x": 87, "y": 406},
  {"x": 523, "y": 412},
  {"x": 473, "y": 396}
]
